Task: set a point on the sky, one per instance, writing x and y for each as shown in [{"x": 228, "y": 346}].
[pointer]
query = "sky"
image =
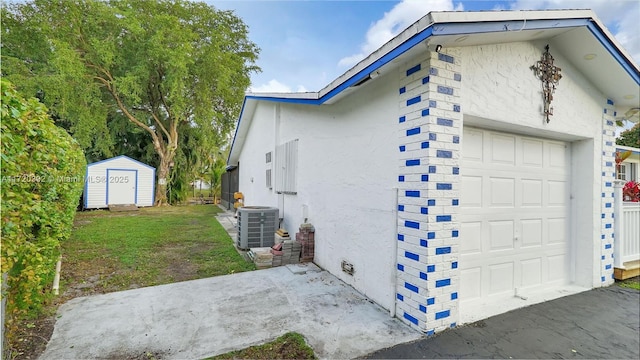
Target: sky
[{"x": 307, "y": 44}]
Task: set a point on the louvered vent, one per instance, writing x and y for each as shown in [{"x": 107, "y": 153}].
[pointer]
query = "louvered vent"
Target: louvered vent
[{"x": 256, "y": 226}]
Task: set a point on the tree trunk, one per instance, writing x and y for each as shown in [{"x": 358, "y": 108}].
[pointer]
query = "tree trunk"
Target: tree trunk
[{"x": 163, "y": 180}]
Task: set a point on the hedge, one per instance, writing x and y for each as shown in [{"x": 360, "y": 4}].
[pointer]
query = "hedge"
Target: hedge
[{"x": 42, "y": 177}]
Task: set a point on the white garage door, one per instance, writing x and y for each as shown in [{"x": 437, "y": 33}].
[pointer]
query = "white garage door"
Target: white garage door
[{"x": 514, "y": 219}]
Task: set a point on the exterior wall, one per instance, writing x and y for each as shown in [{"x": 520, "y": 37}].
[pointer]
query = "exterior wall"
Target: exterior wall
[
  {"x": 345, "y": 180},
  {"x": 95, "y": 189},
  {"x": 495, "y": 88},
  {"x": 499, "y": 75},
  {"x": 430, "y": 125},
  {"x": 260, "y": 140}
]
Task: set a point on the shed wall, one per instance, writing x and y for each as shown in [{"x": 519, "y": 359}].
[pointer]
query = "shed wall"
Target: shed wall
[{"x": 95, "y": 191}]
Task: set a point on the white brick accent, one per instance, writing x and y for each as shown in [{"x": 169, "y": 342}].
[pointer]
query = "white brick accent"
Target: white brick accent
[{"x": 429, "y": 131}]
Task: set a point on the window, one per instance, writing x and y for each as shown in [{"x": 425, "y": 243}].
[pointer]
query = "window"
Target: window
[
  {"x": 628, "y": 172},
  {"x": 268, "y": 176},
  {"x": 622, "y": 172},
  {"x": 286, "y": 163}
]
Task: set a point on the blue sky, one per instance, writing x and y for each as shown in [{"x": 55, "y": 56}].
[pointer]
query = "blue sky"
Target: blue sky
[{"x": 307, "y": 44}]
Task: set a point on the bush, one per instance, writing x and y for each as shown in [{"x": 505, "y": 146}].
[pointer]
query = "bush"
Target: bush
[{"x": 42, "y": 168}]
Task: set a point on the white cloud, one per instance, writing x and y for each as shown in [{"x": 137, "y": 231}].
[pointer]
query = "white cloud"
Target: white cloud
[
  {"x": 275, "y": 86},
  {"x": 397, "y": 19},
  {"x": 621, "y": 17}
]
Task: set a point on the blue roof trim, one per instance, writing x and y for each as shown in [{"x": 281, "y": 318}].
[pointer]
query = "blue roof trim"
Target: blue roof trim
[
  {"x": 453, "y": 29},
  {"x": 388, "y": 57},
  {"x": 119, "y": 157},
  {"x": 613, "y": 50},
  {"x": 634, "y": 152},
  {"x": 235, "y": 135}
]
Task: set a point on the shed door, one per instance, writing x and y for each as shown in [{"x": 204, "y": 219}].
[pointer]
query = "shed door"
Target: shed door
[
  {"x": 121, "y": 186},
  {"x": 514, "y": 218}
]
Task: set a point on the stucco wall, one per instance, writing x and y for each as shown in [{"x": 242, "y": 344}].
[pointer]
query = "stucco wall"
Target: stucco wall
[
  {"x": 500, "y": 91},
  {"x": 347, "y": 166}
]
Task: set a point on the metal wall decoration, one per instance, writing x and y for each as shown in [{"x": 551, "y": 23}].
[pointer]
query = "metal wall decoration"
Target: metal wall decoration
[{"x": 550, "y": 75}]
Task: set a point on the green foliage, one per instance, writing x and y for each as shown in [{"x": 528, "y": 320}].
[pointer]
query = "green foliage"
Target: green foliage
[
  {"x": 42, "y": 169},
  {"x": 630, "y": 137},
  {"x": 165, "y": 67}
]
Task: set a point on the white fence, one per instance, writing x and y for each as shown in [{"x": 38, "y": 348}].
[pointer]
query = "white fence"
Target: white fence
[
  {"x": 631, "y": 231},
  {"x": 627, "y": 229}
]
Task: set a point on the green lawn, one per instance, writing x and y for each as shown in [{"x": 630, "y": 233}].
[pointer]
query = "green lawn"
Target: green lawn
[
  {"x": 288, "y": 346},
  {"x": 120, "y": 250}
]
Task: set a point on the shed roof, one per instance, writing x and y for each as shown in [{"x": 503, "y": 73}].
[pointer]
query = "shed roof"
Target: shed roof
[
  {"x": 574, "y": 33},
  {"x": 121, "y": 157}
]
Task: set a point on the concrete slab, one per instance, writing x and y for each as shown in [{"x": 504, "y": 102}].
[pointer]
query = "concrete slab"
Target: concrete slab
[{"x": 201, "y": 318}]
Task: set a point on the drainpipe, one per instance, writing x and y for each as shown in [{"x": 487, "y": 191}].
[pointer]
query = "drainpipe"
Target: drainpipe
[
  {"x": 392, "y": 309},
  {"x": 618, "y": 227},
  {"x": 56, "y": 279}
]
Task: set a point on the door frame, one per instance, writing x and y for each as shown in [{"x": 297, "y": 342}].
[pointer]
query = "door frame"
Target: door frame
[{"x": 135, "y": 192}]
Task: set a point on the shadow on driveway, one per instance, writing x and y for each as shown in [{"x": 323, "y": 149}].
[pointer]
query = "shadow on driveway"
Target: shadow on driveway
[{"x": 602, "y": 323}]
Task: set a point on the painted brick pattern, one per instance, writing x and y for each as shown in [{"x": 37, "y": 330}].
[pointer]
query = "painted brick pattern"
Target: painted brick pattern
[
  {"x": 430, "y": 126},
  {"x": 608, "y": 176}
]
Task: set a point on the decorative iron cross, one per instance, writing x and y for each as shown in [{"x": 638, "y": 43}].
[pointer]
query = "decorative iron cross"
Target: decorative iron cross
[{"x": 550, "y": 75}]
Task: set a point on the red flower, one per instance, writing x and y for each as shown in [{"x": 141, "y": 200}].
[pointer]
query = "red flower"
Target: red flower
[{"x": 631, "y": 191}]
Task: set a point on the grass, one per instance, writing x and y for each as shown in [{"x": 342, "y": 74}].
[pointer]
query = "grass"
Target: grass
[
  {"x": 148, "y": 247},
  {"x": 288, "y": 346},
  {"x": 632, "y": 283}
]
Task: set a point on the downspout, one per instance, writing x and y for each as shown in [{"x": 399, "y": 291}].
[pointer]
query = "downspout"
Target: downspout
[
  {"x": 392, "y": 308},
  {"x": 56, "y": 279}
]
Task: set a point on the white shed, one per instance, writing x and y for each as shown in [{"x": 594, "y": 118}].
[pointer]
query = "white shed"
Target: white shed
[{"x": 119, "y": 181}]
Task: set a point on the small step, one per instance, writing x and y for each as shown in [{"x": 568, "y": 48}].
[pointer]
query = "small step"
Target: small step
[
  {"x": 631, "y": 269},
  {"x": 123, "y": 207}
]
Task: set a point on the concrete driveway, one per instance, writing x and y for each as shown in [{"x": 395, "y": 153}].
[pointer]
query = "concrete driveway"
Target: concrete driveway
[
  {"x": 602, "y": 323},
  {"x": 201, "y": 318}
]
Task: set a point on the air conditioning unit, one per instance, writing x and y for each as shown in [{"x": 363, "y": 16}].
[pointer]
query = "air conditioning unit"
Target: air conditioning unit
[{"x": 256, "y": 226}]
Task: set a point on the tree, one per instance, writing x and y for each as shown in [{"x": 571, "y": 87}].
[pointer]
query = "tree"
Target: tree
[
  {"x": 630, "y": 137},
  {"x": 165, "y": 66}
]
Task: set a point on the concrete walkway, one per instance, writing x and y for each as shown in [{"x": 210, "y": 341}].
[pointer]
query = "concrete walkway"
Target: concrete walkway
[
  {"x": 201, "y": 318},
  {"x": 602, "y": 323}
]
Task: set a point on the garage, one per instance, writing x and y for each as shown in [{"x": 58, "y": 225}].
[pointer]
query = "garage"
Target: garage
[{"x": 514, "y": 217}]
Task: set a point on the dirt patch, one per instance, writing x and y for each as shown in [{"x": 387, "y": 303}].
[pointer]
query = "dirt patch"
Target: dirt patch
[
  {"x": 143, "y": 355},
  {"x": 31, "y": 338}
]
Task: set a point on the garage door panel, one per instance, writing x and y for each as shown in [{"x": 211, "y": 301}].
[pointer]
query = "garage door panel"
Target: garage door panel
[
  {"x": 531, "y": 272},
  {"x": 472, "y": 145},
  {"x": 470, "y": 237},
  {"x": 472, "y": 191},
  {"x": 557, "y": 192},
  {"x": 500, "y": 278},
  {"x": 556, "y": 230},
  {"x": 532, "y": 154},
  {"x": 513, "y": 214},
  {"x": 557, "y": 155},
  {"x": 502, "y": 192},
  {"x": 500, "y": 235},
  {"x": 503, "y": 149},
  {"x": 531, "y": 232},
  {"x": 531, "y": 192}
]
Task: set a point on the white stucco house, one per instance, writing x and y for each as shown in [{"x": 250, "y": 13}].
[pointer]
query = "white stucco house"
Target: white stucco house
[{"x": 431, "y": 168}]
